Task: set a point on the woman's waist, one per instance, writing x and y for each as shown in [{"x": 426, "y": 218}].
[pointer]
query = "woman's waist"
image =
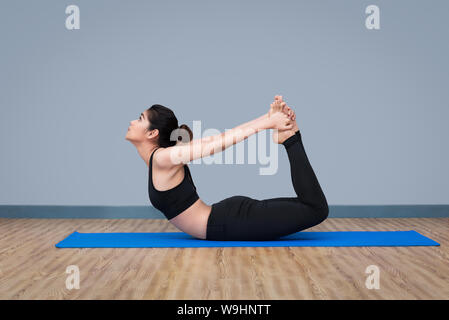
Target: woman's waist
[{"x": 198, "y": 209}]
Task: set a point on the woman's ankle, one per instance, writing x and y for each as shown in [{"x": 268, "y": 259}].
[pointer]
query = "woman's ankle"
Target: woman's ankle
[{"x": 291, "y": 140}]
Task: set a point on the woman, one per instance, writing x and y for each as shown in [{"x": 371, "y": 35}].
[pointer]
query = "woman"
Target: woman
[{"x": 172, "y": 191}]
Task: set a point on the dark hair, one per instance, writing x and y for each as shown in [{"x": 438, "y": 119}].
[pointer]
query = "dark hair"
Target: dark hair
[{"x": 163, "y": 119}]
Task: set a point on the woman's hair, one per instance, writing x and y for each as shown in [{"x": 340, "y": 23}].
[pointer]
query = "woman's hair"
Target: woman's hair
[{"x": 163, "y": 119}]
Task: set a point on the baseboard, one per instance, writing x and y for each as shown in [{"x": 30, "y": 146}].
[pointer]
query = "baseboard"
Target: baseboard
[{"x": 149, "y": 212}]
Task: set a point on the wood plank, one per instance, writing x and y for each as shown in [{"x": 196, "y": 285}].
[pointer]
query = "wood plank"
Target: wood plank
[{"x": 31, "y": 267}]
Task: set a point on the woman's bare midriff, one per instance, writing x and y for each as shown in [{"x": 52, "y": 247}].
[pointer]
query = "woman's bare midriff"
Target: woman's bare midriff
[{"x": 193, "y": 220}]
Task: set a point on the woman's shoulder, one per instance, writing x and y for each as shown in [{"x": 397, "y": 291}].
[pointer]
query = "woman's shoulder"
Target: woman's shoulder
[{"x": 164, "y": 158}]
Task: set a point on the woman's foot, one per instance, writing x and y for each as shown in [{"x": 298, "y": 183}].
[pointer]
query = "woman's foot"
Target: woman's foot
[
  {"x": 279, "y": 136},
  {"x": 287, "y": 110}
]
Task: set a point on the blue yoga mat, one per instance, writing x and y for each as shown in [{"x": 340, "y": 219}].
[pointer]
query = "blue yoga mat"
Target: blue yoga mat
[{"x": 299, "y": 239}]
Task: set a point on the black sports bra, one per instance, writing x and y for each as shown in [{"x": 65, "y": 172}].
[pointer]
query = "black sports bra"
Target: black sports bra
[{"x": 173, "y": 201}]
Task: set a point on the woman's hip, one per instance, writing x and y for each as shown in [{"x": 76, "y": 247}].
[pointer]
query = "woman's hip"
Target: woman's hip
[{"x": 225, "y": 214}]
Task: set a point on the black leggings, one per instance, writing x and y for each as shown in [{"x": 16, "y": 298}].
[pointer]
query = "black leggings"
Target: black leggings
[{"x": 246, "y": 219}]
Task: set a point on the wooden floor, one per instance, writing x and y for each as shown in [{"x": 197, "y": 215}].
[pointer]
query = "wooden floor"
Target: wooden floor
[{"x": 31, "y": 267}]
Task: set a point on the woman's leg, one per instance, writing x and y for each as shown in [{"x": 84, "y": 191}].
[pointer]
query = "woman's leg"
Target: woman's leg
[
  {"x": 243, "y": 218},
  {"x": 250, "y": 219},
  {"x": 305, "y": 182}
]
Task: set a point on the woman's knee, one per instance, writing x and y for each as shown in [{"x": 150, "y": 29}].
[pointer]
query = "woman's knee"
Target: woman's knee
[{"x": 323, "y": 213}]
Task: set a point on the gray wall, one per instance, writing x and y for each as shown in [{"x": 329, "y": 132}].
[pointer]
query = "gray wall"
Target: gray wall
[{"x": 372, "y": 105}]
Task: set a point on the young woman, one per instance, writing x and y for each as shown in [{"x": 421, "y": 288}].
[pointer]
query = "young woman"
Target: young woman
[{"x": 172, "y": 191}]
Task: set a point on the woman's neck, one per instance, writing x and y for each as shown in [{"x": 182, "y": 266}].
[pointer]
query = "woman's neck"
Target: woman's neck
[{"x": 145, "y": 151}]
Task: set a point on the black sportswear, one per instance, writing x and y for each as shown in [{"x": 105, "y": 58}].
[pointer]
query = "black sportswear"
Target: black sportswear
[
  {"x": 173, "y": 201},
  {"x": 246, "y": 219}
]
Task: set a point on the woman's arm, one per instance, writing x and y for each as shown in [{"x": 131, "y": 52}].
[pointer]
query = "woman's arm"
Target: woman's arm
[{"x": 204, "y": 147}]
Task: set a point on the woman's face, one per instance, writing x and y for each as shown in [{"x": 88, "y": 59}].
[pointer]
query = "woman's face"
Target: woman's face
[{"x": 138, "y": 128}]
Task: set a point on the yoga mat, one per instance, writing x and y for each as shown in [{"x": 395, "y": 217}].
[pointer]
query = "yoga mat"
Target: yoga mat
[{"x": 299, "y": 239}]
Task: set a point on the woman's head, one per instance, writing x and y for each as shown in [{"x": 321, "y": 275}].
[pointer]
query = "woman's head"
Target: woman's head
[{"x": 160, "y": 125}]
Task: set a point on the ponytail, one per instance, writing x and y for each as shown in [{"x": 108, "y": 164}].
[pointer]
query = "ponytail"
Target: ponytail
[{"x": 190, "y": 133}]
